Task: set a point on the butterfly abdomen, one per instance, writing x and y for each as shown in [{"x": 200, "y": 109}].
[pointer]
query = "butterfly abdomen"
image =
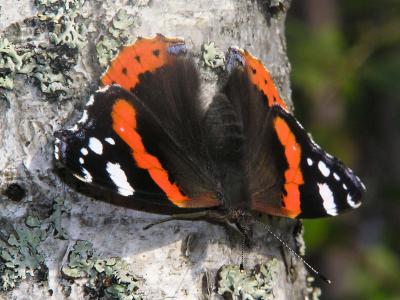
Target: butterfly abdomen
[
  {"x": 224, "y": 130},
  {"x": 226, "y": 142}
]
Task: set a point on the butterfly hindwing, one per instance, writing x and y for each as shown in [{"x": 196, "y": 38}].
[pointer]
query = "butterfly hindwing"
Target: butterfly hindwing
[
  {"x": 326, "y": 186},
  {"x": 257, "y": 73},
  {"x": 288, "y": 173},
  {"x": 263, "y": 159}
]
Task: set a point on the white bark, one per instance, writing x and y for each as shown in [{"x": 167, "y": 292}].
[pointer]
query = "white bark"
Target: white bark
[{"x": 172, "y": 260}]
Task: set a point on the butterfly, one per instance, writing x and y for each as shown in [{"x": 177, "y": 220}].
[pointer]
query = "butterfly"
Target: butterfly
[{"x": 148, "y": 136}]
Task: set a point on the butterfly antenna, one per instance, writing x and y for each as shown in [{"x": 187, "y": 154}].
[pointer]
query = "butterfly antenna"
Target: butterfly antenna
[{"x": 266, "y": 227}]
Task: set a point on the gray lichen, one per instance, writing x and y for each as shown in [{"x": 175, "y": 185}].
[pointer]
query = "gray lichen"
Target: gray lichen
[
  {"x": 104, "y": 275},
  {"x": 313, "y": 293},
  {"x": 20, "y": 253},
  {"x": 65, "y": 19},
  {"x": 212, "y": 57},
  {"x": 301, "y": 246},
  {"x": 256, "y": 284},
  {"x": 106, "y": 50},
  {"x": 9, "y": 60},
  {"x": 118, "y": 35},
  {"x": 59, "y": 207},
  {"x": 20, "y": 246},
  {"x": 48, "y": 63},
  {"x": 121, "y": 23},
  {"x": 11, "y": 63}
]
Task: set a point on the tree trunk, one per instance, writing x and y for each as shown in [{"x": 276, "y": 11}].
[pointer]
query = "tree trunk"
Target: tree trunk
[{"x": 55, "y": 242}]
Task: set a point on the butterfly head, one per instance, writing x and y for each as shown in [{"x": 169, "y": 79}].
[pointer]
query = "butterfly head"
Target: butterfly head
[
  {"x": 174, "y": 46},
  {"x": 234, "y": 58}
]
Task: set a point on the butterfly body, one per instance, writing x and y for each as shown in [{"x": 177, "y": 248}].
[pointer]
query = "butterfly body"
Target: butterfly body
[{"x": 147, "y": 136}]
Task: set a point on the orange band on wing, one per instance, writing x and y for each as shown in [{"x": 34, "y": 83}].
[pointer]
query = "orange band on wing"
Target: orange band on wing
[
  {"x": 261, "y": 78},
  {"x": 124, "y": 124},
  {"x": 293, "y": 175},
  {"x": 145, "y": 55}
]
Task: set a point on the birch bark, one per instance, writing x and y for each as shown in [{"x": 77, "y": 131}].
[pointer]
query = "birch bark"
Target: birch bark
[{"x": 175, "y": 260}]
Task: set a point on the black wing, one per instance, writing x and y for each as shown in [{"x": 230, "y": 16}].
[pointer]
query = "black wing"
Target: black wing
[
  {"x": 288, "y": 173},
  {"x": 147, "y": 143}
]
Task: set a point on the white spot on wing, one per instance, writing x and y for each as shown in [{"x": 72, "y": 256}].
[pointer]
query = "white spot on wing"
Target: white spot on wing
[
  {"x": 336, "y": 176},
  {"x": 84, "y": 117},
  {"x": 362, "y": 184},
  {"x": 56, "y": 149},
  {"x": 87, "y": 177},
  {"x": 95, "y": 145},
  {"x": 313, "y": 142},
  {"x": 74, "y": 129},
  {"x": 110, "y": 141},
  {"x": 327, "y": 198},
  {"x": 351, "y": 202},
  {"x": 84, "y": 151},
  {"x": 104, "y": 89},
  {"x": 119, "y": 178},
  {"x": 81, "y": 160},
  {"x": 310, "y": 162},
  {"x": 323, "y": 168},
  {"x": 298, "y": 123},
  {"x": 91, "y": 101}
]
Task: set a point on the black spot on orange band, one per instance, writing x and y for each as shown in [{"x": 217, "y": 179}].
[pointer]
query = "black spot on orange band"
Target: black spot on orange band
[{"x": 156, "y": 52}]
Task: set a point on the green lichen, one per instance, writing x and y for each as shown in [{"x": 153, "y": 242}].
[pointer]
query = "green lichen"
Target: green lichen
[
  {"x": 65, "y": 20},
  {"x": 212, "y": 57},
  {"x": 11, "y": 63},
  {"x": 108, "y": 46},
  {"x": 106, "y": 50},
  {"x": 32, "y": 221},
  {"x": 48, "y": 63},
  {"x": 108, "y": 276},
  {"x": 58, "y": 8},
  {"x": 66, "y": 23},
  {"x": 313, "y": 292},
  {"x": 256, "y": 284},
  {"x": 57, "y": 5},
  {"x": 300, "y": 244},
  {"x": 8, "y": 63},
  {"x": 67, "y": 32},
  {"x": 34, "y": 62},
  {"x": 121, "y": 23},
  {"x": 59, "y": 207},
  {"x": 20, "y": 254}
]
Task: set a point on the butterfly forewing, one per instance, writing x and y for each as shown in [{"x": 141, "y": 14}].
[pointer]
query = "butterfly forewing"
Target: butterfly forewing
[
  {"x": 144, "y": 138},
  {"x": 288, "y": 173}
]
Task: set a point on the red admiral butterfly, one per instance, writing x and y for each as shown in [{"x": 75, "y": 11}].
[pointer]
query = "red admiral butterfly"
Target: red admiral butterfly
[{"x": 148, "y": 135}]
